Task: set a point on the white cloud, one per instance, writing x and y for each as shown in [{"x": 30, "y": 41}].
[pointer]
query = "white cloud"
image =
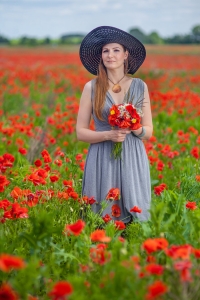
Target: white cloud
[{"x": 55, "y": 17}]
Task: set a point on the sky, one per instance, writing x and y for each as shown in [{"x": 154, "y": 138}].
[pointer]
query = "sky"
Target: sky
[{"x": 54, "y": 18}]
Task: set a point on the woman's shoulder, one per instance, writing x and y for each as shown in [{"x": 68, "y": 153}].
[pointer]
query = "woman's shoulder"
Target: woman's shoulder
[
  {"x": 89, "y": 85},
  {"x": 140, "y": 82}
]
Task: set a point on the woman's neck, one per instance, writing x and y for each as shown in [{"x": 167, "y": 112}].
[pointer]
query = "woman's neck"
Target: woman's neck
[{"x": 115, "y": 75}]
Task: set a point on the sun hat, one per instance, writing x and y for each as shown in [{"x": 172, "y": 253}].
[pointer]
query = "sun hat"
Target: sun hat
[{"x": 91, "y": 48}]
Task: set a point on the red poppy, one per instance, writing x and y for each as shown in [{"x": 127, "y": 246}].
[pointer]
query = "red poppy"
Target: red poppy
[
  {"x": 4, "y": 204},
  {"x": 152, "y": 245},
  {"x": 79, "y": 157},
  {"x": 99, "y": 254},
  {"x": 61, "y": 290},
  {"x": 154, "y": 269},
  {"x": 99, "y": 235},
  {"x": 88, "y": 200},
  {"x": 3, "y": 182},
  {"x": 7, "y": 293},
  {"x": 116, "y": 211},
  {"x": 16, "y": 212},
  {"x": 107, "y": 218},
  {"x": 197, "y": 178},
  {"x": 113, "y": 194},
  {"x": 38, "y": 163},
  {"x": 180, "y": 251},
  {"x": 191, "y": 205},
  {"x": 159, "y": 189},
  {"x": 195, "y": 152},
  {"x": 8, "y": 262},
  {"x": 120, "y": 225},
  {"x": 157, "y": 289},
  {"x": 196, "y": 253},
  {"x": 46, "y": 156},
  {"x": 23, "y": 151},
  {"x": 160, "y": 165},
  {"x": 75, "y": 228},
  {"x": 54, "y": 178},
  {"x": 136, "y": 209},
  {"x": 68, "y": 183},
  {"x": 184, "y": 268}
]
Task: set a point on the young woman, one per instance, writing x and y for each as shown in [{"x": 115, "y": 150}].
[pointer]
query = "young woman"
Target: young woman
[{"x": 112, "y": 54}]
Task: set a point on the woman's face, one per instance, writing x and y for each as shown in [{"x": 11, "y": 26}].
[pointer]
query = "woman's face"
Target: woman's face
[{"x": 113, "y": 55}]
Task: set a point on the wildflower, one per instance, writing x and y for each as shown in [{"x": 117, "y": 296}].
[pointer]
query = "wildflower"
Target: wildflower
[
  {"x": 183, "y": 267},
  {"x": 113, "y": 194},
  {"x": 116, "y": 211},
  {"x": 88, "y": 200},
  {"x": 3, "y": 182},
  {"x": 153, "y": 245},
  {"x": 4, "y": 204},
  {"x": 156, "y": 289},
  {"x": 16, "y": 212},
  {"x": 159, "y": 189},
  {"x": 160, "y": 165},
  {"x": 120, "y": 225},
  {"x": 107, "y": 218},
  {"x": 68, "y": 183},
  {"x": 196, "y": 253},
  {"x": 191, "y": 205},
  {"x": 136, "y": 209},
  {"x": 154, "y": 269},
  {"x": 54, "y": 178},
  {"x": 99, "y": 254},
  {"x": 75, "y": 228},
  {"x": 180, "y": 251},
  {"x": 38, "y": 163},
  {"x": 23, "y": 151},
  {"x": 8, "y": 262},
  {"x": 7, "y": 293},
  {"x": 79, "y": 157},
  {"x": 99, "y": 235},
  {"x": 61, "y": 290}
]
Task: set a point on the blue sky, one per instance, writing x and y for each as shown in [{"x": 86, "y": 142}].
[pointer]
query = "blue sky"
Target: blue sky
[{"x": 41, "y": 18}]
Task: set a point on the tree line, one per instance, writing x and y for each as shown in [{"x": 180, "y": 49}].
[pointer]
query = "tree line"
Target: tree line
[{"x": 75, "y": 39}]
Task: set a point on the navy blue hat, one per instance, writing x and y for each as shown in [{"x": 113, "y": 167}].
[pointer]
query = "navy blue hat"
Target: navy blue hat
[{"x": 91, "y": 48}]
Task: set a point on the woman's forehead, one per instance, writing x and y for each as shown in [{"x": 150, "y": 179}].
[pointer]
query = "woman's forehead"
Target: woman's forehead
[{"x": 112, "y": 45}]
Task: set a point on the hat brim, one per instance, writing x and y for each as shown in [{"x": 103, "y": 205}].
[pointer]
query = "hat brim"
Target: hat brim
[{"x": 91, "y": 48}]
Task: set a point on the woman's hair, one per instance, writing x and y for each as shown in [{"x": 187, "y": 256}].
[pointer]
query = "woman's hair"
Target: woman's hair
[{"x": 102, "y": 86}]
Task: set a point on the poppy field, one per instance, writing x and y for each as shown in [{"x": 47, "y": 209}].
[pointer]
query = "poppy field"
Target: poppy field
[{"x": 52, "y": 246}]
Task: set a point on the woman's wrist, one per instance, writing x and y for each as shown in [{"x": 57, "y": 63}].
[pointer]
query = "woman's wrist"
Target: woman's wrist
[
  {"x": 137, "y": 131},
  {"x": 140, "y": 133}
]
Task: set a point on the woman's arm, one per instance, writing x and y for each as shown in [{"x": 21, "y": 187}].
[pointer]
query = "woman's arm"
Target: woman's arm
[
  {"x": 147, "y": 118},
  {"x": 83, "y": 132}
]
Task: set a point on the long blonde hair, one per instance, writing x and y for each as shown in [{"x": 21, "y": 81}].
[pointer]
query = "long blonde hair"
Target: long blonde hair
[{"x": 102, "y": 86}]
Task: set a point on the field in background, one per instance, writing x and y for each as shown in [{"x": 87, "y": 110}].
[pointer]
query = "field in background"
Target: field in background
[{"x": 41, "y": 167}]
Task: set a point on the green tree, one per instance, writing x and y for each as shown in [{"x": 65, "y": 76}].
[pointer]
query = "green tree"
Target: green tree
[
  {"x": 196, "y": 33},
  {"x": 154, "y": 38},
  {"x": 139, "y": 34},
  {"x": 26, "y": 41},
  {"x": 4, "y": 40}
]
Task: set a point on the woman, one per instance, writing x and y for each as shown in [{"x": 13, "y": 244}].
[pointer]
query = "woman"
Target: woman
[{"x": 111, "y": 54}]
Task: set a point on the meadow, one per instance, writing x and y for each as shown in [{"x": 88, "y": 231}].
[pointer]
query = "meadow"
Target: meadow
[{"x": 51, "y": 244}]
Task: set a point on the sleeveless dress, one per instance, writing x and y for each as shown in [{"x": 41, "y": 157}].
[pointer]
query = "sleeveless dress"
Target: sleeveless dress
[{"x": 130, "y": 174}]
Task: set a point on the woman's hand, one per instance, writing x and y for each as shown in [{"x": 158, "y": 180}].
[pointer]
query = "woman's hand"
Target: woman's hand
[{"x": 118, "y": 135}]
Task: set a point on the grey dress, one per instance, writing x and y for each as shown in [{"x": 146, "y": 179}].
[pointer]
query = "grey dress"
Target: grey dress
[{"x": 130, "y": 173}]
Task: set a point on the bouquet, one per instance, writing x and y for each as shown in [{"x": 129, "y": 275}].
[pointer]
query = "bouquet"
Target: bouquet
[{"x": 124, "y": 116}]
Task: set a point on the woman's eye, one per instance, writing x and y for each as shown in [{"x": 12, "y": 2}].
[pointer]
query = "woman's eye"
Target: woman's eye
[{"x": 105, "y": 51}]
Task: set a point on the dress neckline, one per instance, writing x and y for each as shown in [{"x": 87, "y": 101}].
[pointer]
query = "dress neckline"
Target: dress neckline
[{"x": 124, "y": 95}]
